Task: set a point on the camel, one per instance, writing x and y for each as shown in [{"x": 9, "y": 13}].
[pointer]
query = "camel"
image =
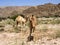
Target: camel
[
  {"x": 33, "y": 23},
  {"x": 20, "y": 20}
]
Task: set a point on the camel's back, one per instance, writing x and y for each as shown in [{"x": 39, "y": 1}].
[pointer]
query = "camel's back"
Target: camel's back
[{"x": 19, "y": 18}]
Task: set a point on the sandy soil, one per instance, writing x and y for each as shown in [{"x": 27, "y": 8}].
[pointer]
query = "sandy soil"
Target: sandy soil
[{"x": 21, "y": 39}]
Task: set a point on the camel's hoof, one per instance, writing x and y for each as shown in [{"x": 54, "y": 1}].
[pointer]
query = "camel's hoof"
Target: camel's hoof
[{"x": 30, "y": 38}]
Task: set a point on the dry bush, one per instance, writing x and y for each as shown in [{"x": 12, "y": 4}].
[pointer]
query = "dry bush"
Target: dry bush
[
  {"x": 57, "y": 33},
  {"x": 48, "y": 20}
]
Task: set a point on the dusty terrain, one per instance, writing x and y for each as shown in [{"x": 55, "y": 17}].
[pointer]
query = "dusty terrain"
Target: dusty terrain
[
  {"x": 41, "y": 37},
  {"x": 20, "y": 39},
  {"x": 47, "y": 32}
]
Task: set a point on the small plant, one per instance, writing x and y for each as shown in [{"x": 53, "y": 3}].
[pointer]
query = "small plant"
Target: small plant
[
  {"x": 44, "y": 28},
  {"x": 17, "y": 29},
  {"x": 57, "y": 33},
  {"x": 22, "y": 43}
]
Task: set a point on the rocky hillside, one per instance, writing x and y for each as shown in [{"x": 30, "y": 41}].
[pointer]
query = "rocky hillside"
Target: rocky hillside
[
  {"x": 11, "y": 10},
  {"x": 39, "y": 10},
  {"x": 44, "y": 10}
]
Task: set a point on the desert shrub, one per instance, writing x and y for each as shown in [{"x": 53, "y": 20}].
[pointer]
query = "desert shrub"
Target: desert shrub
[
  {"x": 13, "y": 17},
  {"x": 8, "y": 25},
  {"x": 57, "y": 21},
  {"x": 7, "y": 21},
  {"x": 43, "y": 28},
  {"x": 49, "y": 21},
  {"x": 16, "y": 29},
  {"x": 57, "y": 33},
  {"x": 8, "y": 28}
]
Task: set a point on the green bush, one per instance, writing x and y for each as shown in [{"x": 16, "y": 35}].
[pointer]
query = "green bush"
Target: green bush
[{"x": 13, "y": 17}]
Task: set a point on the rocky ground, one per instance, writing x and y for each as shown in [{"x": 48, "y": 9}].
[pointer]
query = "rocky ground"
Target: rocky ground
[
  {"x": 45, "y": 34},
  {"x": 21, "y": 39}
]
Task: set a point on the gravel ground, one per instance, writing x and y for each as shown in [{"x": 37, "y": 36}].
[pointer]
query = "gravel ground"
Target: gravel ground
[{"x": 21, "y": 39}]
